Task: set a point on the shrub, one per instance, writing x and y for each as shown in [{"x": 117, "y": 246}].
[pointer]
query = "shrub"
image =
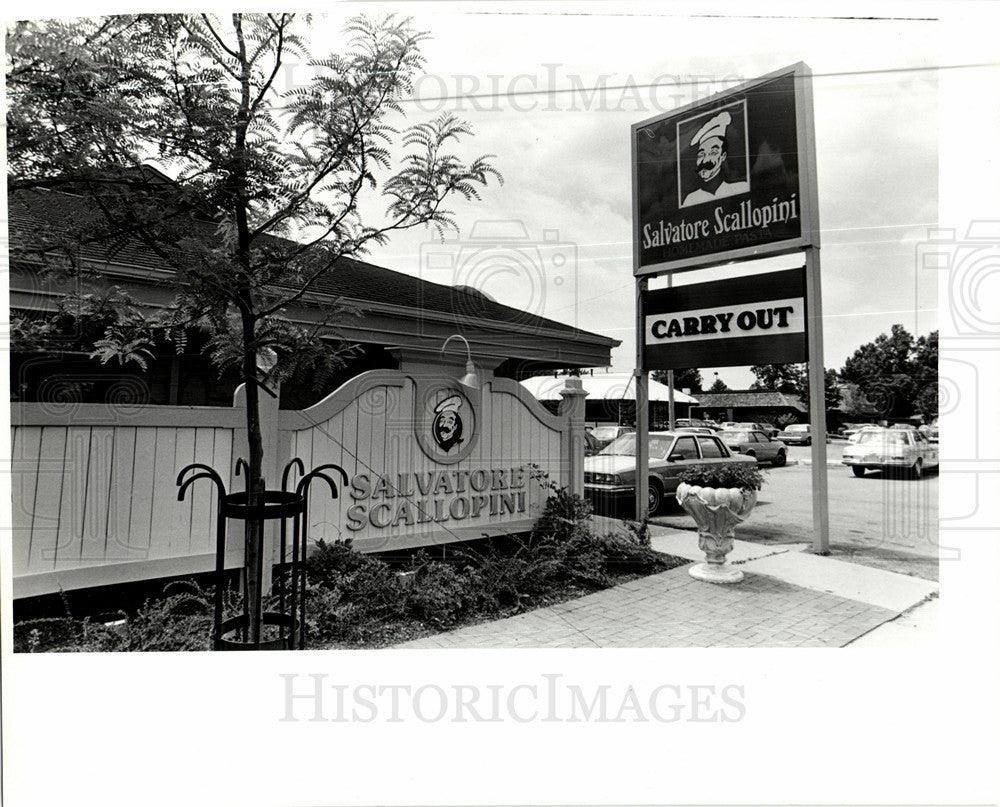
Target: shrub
[
  {"x": 182, "y": 620},
  {"x": 743, "y": 475},
  {"x": 439, "y": 593},
  {"x": 350, "y": 597},
  {"x": 502, "y": 579}
]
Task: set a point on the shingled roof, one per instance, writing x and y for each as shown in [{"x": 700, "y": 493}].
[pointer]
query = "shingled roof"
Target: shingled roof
[
  {"x": 37, "y": 214},
  {"x": 750, "y": 398}
]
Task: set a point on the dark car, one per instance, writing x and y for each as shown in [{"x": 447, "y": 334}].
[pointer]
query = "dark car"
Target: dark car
[
  {"x": 591, "y": 445},
  {"x": 612, "y": 472},
  {"x": 608, "y": 434}
]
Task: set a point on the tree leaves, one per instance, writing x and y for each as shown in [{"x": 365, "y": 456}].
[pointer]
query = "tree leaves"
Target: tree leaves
[{"x": 259, "y": 186}]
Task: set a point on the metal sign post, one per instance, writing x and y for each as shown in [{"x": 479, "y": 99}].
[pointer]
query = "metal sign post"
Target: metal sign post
[
  {"x": 641, "y": 406},
  {"x": 817, "y": 404}
]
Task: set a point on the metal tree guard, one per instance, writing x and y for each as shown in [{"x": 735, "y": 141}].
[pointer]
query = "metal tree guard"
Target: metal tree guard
[{"x": 283, "y": 505}]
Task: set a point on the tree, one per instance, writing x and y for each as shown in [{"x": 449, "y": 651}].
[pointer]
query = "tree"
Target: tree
[
  {"x": 794, "y": 380},
  {"x": 925, "y": 360},
  {"x": 256, "y": 193},
  {"x": 896, "y": 373},
  {"x": 780, "y": 377},
  {"x": 683, "y": 379},
  {"x": 718, "y": 386}
]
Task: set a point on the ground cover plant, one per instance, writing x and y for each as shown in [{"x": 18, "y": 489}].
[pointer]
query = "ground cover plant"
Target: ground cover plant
[{"x": 361, "y": 601}]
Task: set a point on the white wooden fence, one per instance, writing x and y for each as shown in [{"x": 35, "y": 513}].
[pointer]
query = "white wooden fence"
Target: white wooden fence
[{"x": 95, "y": 494}]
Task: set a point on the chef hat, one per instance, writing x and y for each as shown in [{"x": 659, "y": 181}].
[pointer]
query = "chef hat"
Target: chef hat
[
  {"x": 716, "y": 127},
  {"x": 452, "y": 403}
]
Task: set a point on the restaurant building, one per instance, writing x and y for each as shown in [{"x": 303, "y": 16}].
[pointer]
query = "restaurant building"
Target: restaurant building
[{"x": 432, "y": 453}]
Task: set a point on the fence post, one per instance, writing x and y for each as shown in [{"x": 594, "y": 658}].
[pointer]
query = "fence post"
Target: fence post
[{"x": 572, "y": 407}]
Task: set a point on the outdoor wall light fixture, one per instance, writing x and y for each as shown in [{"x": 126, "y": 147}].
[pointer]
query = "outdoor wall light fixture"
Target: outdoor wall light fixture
[{"x": 470, "y": 379}]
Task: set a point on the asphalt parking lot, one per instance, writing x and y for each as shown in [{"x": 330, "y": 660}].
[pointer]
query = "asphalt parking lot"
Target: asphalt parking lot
[{"x": 878, "y": 519}]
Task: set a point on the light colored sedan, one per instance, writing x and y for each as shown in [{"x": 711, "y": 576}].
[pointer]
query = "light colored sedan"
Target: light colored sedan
[
  {"x": 769, "y": 430},
  {"x": 612, "y": 472},
  {"x": 756, "y": 444},
  {"x": 891, "y": 450},
  {"x": 798, "y": 434}
]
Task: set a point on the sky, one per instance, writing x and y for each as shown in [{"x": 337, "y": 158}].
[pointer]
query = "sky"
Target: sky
[{"x": 552, "y": 90}]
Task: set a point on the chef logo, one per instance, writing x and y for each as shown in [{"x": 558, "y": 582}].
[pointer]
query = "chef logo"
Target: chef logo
[{"x": 446, "y": 428}]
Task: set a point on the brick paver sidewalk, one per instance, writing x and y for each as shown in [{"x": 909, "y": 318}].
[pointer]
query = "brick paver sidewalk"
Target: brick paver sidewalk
[{"x": 672, "y": 609}]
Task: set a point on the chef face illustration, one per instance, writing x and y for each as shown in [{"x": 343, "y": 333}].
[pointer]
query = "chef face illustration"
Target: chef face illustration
[
  {"x": 447, "y": 424},
  {"x": 711, "y": 156}
]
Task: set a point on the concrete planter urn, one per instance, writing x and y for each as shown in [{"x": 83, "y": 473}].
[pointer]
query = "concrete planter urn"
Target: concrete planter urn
[{"x": 716, "y": 511}]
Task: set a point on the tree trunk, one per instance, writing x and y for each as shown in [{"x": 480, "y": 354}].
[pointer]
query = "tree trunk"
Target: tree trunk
[{"x": 255, "y": 483}]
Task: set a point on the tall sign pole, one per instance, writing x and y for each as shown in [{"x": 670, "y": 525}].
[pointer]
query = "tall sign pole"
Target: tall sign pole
[
  {"x": 805, "y": 130},
  {"x": 641, "y": 406},
  {"x": 817, "y": 404}
]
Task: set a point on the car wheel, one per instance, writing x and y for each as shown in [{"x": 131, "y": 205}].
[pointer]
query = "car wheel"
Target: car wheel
[
  {"x": 859, "y": 470},
  {"x": 752, "y": 455},
  {"x": 655, "y": 495},
  {"x": 917, "y": 471},
  {"x": 808, "y": 441},
  {"x": 779, "y": 459}
]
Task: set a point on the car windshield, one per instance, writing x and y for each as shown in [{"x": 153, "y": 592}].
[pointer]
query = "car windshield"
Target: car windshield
[
  {"x": 625, "y": 445},
  {"x": 605, "y": 432},
  {"x": 797, "y": 428},
  {"x": 735, "y": 437},
  {"x": 892, "y": 438}
]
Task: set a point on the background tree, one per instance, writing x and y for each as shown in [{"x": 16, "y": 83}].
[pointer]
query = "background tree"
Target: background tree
[
  {"x": 790, "y": 378},
  {"x": 793, "y": 379},
  {"x": 718, "y": 386},
  {"x": 683, "y": 379},
  {"x": 258, "y": 192},
  {"x": 896, "y": 373}
]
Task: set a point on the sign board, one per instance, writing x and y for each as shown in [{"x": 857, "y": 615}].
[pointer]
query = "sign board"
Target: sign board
[
  {"x": 758, "y": 319},
  {"x": 728, "y": 178}
]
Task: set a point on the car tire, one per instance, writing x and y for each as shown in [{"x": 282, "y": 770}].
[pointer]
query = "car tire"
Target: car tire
[
  {"x": 752, "y": 455},
  {"x": 917, "y": 471},
  {"x": 779, "y": 459},
  {"x": 654, "y": 497},
  {"x": 808, "y": 441},
  {"x": 859, "y": 470}
]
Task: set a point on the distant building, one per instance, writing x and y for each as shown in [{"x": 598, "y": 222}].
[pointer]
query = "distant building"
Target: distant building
[{"x": 760, "y": 406}]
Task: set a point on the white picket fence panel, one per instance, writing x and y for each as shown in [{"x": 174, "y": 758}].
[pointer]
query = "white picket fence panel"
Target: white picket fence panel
[{"x": 94, "y": 494}]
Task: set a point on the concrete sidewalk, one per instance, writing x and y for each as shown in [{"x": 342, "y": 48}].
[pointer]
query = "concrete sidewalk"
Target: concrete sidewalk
[{"x": 789, "y": 598}]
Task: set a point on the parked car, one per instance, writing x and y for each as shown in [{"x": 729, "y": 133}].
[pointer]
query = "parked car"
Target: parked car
[
  {"x": 591, "y": 445},
  {"x": 767, "y": 428},
  {"x": 695, "y": 429},
  {"x": 848, "y": 430},
  {"x": 797, "y": 434},
  {"x": 686, "y": 423},
  {"x": 607, "y": 434},
  {"x": 756, "y": 444},
  {"x": 930, "y": 431},
  {"x": 612, "y": 472},
  {"x": 869, "y": 427},
  {"x": 891, "y": 450}
]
